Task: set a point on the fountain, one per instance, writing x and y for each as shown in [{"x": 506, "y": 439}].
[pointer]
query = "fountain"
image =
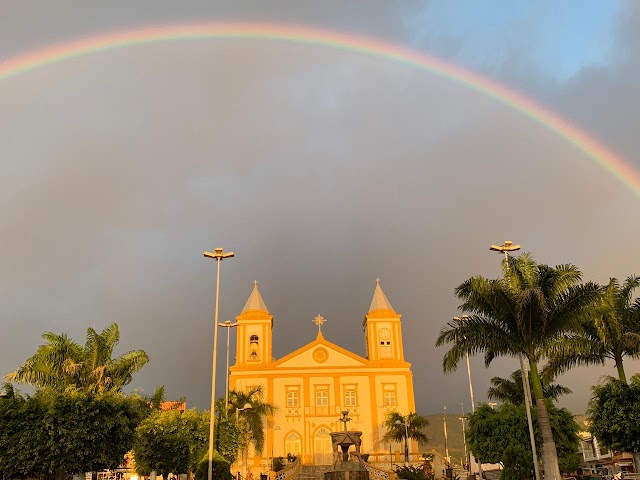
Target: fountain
[{"x": 345, "y": 468}]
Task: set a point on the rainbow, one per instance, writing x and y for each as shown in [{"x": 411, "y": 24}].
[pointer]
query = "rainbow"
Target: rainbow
[{"x": 362, "y": 45}]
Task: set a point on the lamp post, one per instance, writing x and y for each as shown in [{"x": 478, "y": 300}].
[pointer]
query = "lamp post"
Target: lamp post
[
  {"x": 446, "y": 438},
  {"x": 505, "y": 249},
  {"x": 406, "y": 440},
  {"x": 473, "y": 403},
  {"x": 219, "y": 255},
  {"x": 228, "y": 325},
  {"x": 464, "y": 439},
  {"x": 247, "y": 406}
]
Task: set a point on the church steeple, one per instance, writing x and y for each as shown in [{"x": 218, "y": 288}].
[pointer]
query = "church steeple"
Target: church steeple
[
  {"x": 382, "y": 329},
  {"x": 255, "y": 325},
  {"x": 380, "y": 300},
  {"x": 255, "y": 301}
]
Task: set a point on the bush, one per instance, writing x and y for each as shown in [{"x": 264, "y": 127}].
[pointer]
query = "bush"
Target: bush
[
  {"x": 278, "y": 464},
  {"x": 518, "y": 463},
  {"x": 221, "y": 468},
  {"x": 413, "y": 473}
]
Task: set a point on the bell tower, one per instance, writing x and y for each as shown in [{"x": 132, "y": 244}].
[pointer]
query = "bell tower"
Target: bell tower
[
  {"x": 255, "y": 327},
  {"x": 383, "y": 330}
]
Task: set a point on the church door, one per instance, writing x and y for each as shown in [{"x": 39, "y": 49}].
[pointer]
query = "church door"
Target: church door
[{"x": 323, "y": 455}]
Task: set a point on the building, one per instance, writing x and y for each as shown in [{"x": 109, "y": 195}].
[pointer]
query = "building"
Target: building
[
  {"x": 600, "y": 458},
  {"x": 312, "y": 385}
]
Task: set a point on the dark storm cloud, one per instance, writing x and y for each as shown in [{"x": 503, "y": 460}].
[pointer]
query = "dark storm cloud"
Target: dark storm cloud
[{"x": 321, "y": 169}]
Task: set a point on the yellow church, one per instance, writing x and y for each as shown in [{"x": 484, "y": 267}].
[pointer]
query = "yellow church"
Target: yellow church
[{"x": 312, "y": 385}]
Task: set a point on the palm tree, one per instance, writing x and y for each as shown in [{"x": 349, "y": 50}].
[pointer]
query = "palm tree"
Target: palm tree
[
  {"x": 395, "y": 423},
  {"x": 251, "y": 419},
  {"x": 520, "y": 314},
  {"x": 62, "y": 364},
  {"x": 613, "y": 332},
  {"x": 510, "y": 389}
]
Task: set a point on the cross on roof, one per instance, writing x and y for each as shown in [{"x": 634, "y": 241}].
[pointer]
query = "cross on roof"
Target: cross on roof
[{"x": 319, "y": 320}]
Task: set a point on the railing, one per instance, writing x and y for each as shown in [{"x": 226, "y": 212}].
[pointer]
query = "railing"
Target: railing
[
  {"x": 377, "y": 472},
  {"x": 395, "y": 458},
  {"x": 290, "y": 471}
]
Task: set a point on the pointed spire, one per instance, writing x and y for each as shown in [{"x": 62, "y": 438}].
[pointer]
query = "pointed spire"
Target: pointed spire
[
  {"x": 380, "y": 301},
  {"x": 255, "y": 301}
]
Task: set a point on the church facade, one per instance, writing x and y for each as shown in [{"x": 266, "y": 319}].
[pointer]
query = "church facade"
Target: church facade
[{"x": 312, "y": 385}]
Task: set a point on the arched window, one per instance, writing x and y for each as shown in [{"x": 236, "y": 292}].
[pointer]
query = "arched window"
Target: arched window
[
  {"x": 322, "y": 452},
  {"x": 292, "y": 444},
  {"x": 253, "y": 346}
]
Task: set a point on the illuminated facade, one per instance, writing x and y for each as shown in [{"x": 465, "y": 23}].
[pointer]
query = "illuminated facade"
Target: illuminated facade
[{"x": 312, "y": 385}]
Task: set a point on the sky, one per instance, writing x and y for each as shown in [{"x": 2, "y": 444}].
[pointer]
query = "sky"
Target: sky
[{"x": 322, "y": 169}]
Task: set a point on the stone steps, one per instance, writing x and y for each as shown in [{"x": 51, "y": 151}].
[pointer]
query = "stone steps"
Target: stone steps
[{"x": 313, "y": 472}]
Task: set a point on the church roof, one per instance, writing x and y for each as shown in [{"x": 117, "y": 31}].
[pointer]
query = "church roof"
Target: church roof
[
  {"x": 255, "y": 301},
  {"x": 380, "y": 301}
]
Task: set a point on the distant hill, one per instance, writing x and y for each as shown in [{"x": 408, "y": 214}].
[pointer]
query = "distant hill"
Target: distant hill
[{"x": 435, "y": 433}]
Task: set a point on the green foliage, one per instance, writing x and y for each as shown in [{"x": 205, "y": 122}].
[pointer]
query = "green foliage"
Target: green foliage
[
  {"x": 171, "y": 441},
  {"x": 491, "y": 433},
  {"x": 278, "y": 464},
  {"x": 221, "y": 468},
  {"x": 614, "y": 414},
  {"x": 612, "y": 332},
  {"x": 512, "y": 390},
  {"x": 521, "y": 314},
  {"x": 72, "y": 433},
  {"x": 62, "y": 364},
  {"x": 395, "y": 432},
  {"x": 251, "y": 419},
  {"x": 413, "y": 473},
  {"x": 517, "y": 462},
  {"x": 229, "y": 436}
]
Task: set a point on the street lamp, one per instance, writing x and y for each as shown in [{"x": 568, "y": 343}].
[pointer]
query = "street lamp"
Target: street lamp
[
  {"x": 219, "y": 255},
  {"x": 464, "y": 439},
  {"x": 228, "y": 325},
  {"x": 464, "y": 318},
  {"x": 505, "y": 249},
  {"x": 446, "y": 438},
  {"x": 247, "y": 406},
  {"x": 406, "y": 440}
]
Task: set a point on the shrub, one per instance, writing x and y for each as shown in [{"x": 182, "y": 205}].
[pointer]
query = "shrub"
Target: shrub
[
  {"x": 221, "y": 468},
  {"x": 278, "y": 464},
  {"x": 413, "y": 473}
]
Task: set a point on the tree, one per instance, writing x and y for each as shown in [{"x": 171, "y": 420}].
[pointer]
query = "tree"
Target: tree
[
  {"x": 520, "y": 314},
  {"x": 53, "y": 434},
  {"x": 395, "y": 432},
  {"x": 229, "y": 436},
  {"x": 501, "y": 436},
  {"x": 251, "y": 419},
  {"x": 614, "y": 414},
  {"x": 171, "y": 441},
  {"x": 612, "y": 332},
  {"x": 511, "y": 389},
  {"x": 62, "y": 364}
]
